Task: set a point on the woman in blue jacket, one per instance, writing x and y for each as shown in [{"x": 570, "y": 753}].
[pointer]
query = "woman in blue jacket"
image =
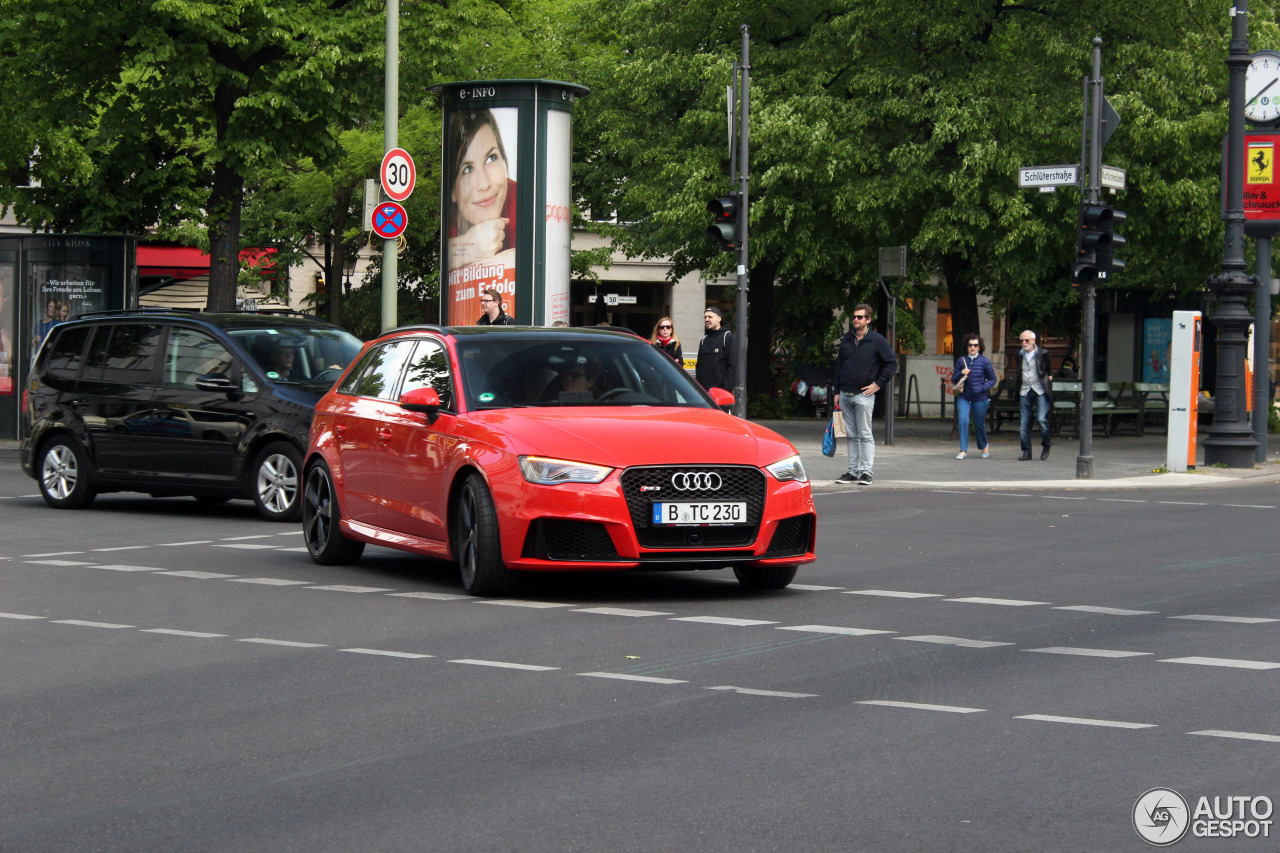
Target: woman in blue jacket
[{"x": 978, "y": 376}]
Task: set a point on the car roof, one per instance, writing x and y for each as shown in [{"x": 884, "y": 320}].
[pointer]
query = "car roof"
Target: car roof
[
  {"x": 231, "y": 320},
  {"x": 566, "y": 332}
]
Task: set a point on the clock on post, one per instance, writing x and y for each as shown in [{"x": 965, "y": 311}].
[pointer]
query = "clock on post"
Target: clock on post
[{"x": 1262, "y": 88}]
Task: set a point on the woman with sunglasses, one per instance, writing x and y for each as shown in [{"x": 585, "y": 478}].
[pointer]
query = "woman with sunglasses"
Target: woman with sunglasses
[
  {"x": 664, "y": 338},
  {"x": 976, "y": 376}
]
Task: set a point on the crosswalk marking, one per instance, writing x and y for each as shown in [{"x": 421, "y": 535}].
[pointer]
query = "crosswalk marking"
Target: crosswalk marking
[
  {"x": 923, "y": 706},
  {"x": 723, "y": 620},
  {"x": 619, "y": 611},
  {"x": 177, "y": 633},
  {"x": 1227, "y": 662},
  {"x": 505, "y": 664},
  {"x": 749, "y": 691},
  {"x": 1007, "y": 602},
  {"x": 1085, "y": 721},
  {"x": 1238, "y": 735},
  {"x": 384, "y": 653},
  {"x": 1096, "y": 653},
  {"x": 1107, "y": 611},
  {"x": 833, "y": 629},
  {"x": 954, "y": 641},
  {"x": 82, "y": 623},
  {"x": 648, "y": 679},
  {"x": 1240, "y": 620},
  {"x": 889, "y": 593}
]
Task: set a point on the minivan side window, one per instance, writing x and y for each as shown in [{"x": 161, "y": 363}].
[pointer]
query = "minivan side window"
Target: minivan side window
[
  {"x": 129, "y": 356},
  {"x": 378, "y": 372},
  {"x": 66, "y": 353},
  {"x": 430, "y": 369},
  {"x": 189, "y": 354}
]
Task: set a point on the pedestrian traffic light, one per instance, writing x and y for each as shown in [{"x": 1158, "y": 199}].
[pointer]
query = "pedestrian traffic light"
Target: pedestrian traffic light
[
  {"x": 1095, "y": 242},
  {"x": 724, "y": 232}
]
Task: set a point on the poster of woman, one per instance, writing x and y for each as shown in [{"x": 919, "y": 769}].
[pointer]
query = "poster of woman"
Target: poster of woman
[
  {"x": 481, "y": 210},
  {"x": 7, "y": 351}
]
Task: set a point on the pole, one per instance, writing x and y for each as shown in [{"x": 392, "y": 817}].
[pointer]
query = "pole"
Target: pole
[
  {"x": 893, "y": 347},
  {"x": 1230, "y": 436},
  {"x": 1084, "y": 461},
  {"x": 1262, "y": 347},
  {"x": 740, "y": 381},
  {"x": 390, "y": 139}
]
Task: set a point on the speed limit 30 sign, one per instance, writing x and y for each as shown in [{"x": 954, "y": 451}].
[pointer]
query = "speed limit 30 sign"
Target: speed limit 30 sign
[{"x": 398, "y": 174}]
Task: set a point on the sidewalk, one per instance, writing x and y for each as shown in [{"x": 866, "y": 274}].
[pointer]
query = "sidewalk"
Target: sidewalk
[{"x": 923, "y": 456}]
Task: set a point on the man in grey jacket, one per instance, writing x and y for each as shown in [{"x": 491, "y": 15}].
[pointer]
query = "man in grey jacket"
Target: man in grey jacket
[
  {"x": 1035, "y": 391},
  {"x": 864, "y": 364}
]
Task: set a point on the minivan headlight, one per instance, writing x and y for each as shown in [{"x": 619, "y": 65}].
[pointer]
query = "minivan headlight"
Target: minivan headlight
[
  {"x": 552, "y": 472},
  {"x": 790, "y": 468}
]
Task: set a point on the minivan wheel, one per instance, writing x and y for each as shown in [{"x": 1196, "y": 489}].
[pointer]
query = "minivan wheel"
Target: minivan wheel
[
  {"x": 64, "y": 476},
  {"x": 765, "y": 577},
  {"x": 276, "y": 482},
  {"x": 475, "y": 541},
  {"x": 320, "y": 515}
]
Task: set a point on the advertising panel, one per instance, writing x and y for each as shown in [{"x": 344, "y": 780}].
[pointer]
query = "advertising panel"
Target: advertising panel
[
  {"x": 1261, "y": 196},
  {"x": 559, "y": 216},
  {"x": 8, "y": 333},
  {"x": 1156, "y": 337},
  {"x": 63, "y": 292},
  {"x": 482, "y": 151}
]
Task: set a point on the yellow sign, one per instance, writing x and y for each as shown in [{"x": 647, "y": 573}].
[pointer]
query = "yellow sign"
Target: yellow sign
[{"x": 1261, "y": 164}]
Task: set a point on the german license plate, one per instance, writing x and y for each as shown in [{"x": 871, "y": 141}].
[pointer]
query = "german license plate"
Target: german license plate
[{"x": 701, "y": 512}]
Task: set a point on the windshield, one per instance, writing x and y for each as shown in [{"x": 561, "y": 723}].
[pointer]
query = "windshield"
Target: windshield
[
  {"x": 500, "y": 371},
  {"x": 297, "y": 355}
]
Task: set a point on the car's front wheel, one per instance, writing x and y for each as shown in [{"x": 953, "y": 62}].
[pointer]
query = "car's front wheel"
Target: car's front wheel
[
  {"x": 476, "y": 545},
  {"x": 276, "y": 480},
  {"x": 320, "y": 515},
  {"x": 64, "y": 475},
  {"x": 765, "y": 577}
]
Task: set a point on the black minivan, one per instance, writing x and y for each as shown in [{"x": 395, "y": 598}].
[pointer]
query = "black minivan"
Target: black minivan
[{"x": 215, "y": 406}]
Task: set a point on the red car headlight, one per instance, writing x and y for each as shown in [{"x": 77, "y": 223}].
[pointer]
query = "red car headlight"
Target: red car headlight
[{"x": 553, "y": 472}]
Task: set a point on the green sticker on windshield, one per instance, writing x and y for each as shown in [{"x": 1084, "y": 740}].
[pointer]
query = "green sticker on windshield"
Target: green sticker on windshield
[
  {"x": 271, "y": 374},
  {"x": 486, "y": 397}
]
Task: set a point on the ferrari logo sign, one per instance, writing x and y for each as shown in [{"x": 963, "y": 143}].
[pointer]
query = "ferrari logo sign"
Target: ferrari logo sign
[{"x": 1261, "y": 163}]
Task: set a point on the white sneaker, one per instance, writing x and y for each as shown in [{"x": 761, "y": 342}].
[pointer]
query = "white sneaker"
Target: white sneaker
[
  {"x": 986, "y": 454},
  {"x": 960, "y": 455}
]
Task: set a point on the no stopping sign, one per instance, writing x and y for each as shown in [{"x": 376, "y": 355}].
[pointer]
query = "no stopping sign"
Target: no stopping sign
[{"x": 389, "y": 220}]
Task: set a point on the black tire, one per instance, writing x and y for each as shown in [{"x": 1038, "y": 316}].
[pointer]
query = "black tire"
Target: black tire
[
  {"x": 765, "y": 577},
  {"x": 63, "y": 475},
  {"x": 320, "y": 515},
  {"x": 276, "y": 482},
  {"x": 476, "y": 545}
]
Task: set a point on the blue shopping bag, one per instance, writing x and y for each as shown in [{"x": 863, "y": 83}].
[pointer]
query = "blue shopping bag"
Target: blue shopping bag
[{"x": 829, "y": 438}]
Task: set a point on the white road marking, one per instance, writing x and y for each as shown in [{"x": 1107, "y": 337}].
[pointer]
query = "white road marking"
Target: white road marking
[
  {"x": 505, "y": 665},
  {"x": 516, "y": 602},
  {"x": 269, "y": 581},
  {"x": 1242, "y": 620},
  {"x": 888, "y": 593},
  {"x": 345, "y": 588},
  {"x": 189, "y": 573},
  {"x": 246, "y": 546},
  {"x": 242, "y": 538},
  {"x": 121, "y": 548},
  {"x": 833, "y": 629},
  {"x": 954, "y": 641},
  {"x": 1122, "y": 500},
  {"x": 749, "y": 691},
  {"x": 1246, "y": 506},
  {"x": 290, "y": 533},
  {"x": 84, "y": 624},
  {"x": 1107, "y": 611},
  {"x": 1238, "y": 735},
  {"x": 178, "y": 633},
  {"x": 1095, "y": 653},
  {"x": 1180, "y": 503},
  {"x": 921, "y": 706},
  {"x": 1007, "y": 602},
  {"x": 266, "y": 642},
  {"x": 647, "y": 679},
  {"x": 1061, "y": 498},
  {"x": 386, "y": 653},
  {"x": 1085, "y": 721},
  {"x": 299, "y": 550},
  {"x": 619, "y": 611},
  {"x": 57, "y": 563},
  {"x": 808, "y": 587},
  {"x": 18, "y": 616},
  {"x": 177, "y": 544},
  {"x": 1227, "y": 662},
  {"x": 128, "y": 568},
  {"x": 434, "y": 596},
  {"x": 56, "y": 554},
  {"x": 723, "y": 620}
]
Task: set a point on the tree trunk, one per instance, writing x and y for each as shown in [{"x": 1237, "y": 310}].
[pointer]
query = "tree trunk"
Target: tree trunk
[
  {"x": 760, "y": 328},
  {"x": 964, "y": 301},
  {"x": 225, "y": 201}
]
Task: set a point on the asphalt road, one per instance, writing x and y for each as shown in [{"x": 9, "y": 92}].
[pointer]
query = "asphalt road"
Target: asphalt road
[{"x": 962, "y": 669}]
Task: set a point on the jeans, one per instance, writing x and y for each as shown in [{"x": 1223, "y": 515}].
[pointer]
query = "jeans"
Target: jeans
[
  {"x": 1041, "y": 403},
  {"x": 856, "y": 409},
  {"x": 979, "y": 408}
]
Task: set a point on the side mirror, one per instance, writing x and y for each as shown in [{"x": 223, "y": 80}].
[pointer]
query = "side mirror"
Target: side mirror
[
  {"x": 217, "y": 383},
  {"x": 424, "y": 400},
  {"x": 721, "y": 397}
]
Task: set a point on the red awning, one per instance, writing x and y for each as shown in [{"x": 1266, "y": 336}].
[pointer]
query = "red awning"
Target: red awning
[{"x": 181, "y": 262}]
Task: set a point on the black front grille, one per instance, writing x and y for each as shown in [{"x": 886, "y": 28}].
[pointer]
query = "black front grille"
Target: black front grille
[
  {"x": 643, "y": 486},
  {"x": 791, "y": 537},
  {"x": 567, "y": 539}
]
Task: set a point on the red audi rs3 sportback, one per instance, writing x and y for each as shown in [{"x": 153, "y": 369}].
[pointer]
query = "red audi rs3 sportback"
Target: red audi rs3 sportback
[{"x": 513, "y": 449}]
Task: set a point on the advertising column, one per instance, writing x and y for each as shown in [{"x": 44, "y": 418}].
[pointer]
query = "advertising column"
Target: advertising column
[{"x": 506, "y": 198}]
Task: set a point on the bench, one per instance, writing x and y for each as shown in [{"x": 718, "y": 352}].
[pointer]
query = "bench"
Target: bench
[
  {"x": 1004, "y": 405},
  {"x": 1113, "y": 408},
  {"x": 1154, "y": 397},
  {"x": 1066, "y": 406}
]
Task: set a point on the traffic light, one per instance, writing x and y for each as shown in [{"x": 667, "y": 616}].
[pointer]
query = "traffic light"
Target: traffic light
[
  {"x": 1096, "y": 242},
  {"x": 724, "y": 232}
]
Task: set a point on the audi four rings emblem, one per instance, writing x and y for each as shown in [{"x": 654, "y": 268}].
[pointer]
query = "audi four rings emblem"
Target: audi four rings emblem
[{"x": 696, "y": 481}]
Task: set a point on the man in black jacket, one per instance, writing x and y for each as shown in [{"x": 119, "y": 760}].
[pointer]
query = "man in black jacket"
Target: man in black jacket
[
  {"x": 491, "y": 302},
  {"x": 717, "y": 361},
  {"x": 864, "y": 364}
]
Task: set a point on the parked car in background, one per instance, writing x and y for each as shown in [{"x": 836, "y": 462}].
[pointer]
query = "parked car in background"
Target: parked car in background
[
  {"x": 513, "y": 450},
  {"x": 215, "y": 406}
]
